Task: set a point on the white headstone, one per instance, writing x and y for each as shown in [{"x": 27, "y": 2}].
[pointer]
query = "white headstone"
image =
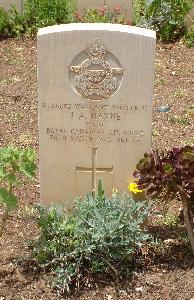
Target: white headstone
[{"x": 95, "y": 106}]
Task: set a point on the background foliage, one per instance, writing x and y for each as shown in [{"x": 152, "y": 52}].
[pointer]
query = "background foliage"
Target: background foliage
[
  {"x": 167, "y": 17},
  {"x": 103, "y": 15},
  {"x": 36, "y": 14}
]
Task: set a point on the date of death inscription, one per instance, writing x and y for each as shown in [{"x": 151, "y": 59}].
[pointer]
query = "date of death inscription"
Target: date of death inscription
[{"x": 98, "y": 135}]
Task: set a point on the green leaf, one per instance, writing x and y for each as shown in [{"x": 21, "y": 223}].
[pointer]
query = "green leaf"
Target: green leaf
[
  {"x": 100, "y": 190},
  {"x": 8, "y": 199},
  {"x": 11, "y": 178},
  {"x": 168, "y": 168},
  {"x": 28, "y": 168},
  {"x": 27, "y": 164},
  {"x": 2, "y": 172}
]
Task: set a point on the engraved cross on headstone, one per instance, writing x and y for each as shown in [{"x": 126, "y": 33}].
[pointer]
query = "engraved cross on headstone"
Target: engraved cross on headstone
[{"x": 94, "y": 169}]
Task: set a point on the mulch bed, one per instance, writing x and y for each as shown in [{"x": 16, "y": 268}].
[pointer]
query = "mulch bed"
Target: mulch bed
[{"x": 163, "y": 273}]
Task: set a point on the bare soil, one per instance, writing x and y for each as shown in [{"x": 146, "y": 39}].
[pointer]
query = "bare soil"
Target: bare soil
[{"x": 165, "y": 272}]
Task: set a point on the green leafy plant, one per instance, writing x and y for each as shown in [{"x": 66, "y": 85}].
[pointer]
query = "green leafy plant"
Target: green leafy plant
[
  {"x": 11, "y": 23},
  {"x": 139, "y": 7},
  {"x": 4, "y": 20},
  {"x": 36, "y": 14},
  {"x": 169, "y": 175},
  {"x": 103, "y": 15},
  {"x": 167, "y": 17},
  {"x": 42, "y": 13},
  {"x": 100, "y": 236},
  {"x": 14, "y": 163}
]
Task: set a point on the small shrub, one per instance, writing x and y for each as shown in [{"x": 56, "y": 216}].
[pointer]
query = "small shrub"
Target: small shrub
[
  {"x": 42, "y": 13},
  {"x": 36, "y": 14},
  {"x": 14, "y": 163},
  {"x": 11, "y": 23},
  {"x": 166, "y": 17},
  {"x": 4, "y": 21},
  {"x": 101, "y": 236}
]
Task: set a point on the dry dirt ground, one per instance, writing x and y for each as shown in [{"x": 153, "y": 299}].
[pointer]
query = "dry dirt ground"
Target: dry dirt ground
[{"x": 167, "y": 272}]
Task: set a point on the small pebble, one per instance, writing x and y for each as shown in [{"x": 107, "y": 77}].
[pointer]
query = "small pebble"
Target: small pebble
[{"x": 164, "y": 108}]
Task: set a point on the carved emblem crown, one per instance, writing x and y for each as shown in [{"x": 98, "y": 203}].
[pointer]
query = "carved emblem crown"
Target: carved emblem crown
[{"x": 96, "y": 50}]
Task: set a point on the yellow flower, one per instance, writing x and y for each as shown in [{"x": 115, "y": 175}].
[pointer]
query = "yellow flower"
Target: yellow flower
[{"x": 133, "y": 187}]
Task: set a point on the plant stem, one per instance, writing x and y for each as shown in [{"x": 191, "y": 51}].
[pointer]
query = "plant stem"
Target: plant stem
[
  {"x": 187, "y": 217},
  {"x": 6, "y": 213},
  {"x": 113, "y": 269},
  {"x": 4, "y": 220}
]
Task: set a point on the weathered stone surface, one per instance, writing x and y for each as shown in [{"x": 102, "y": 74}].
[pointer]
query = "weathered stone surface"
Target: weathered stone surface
[
  {"x": 95, "y": 106},
  {"x": 6, "y": 4}
]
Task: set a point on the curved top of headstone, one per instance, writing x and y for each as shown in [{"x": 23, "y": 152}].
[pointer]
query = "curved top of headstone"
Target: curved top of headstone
[{"x": 97, "y": 26}]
